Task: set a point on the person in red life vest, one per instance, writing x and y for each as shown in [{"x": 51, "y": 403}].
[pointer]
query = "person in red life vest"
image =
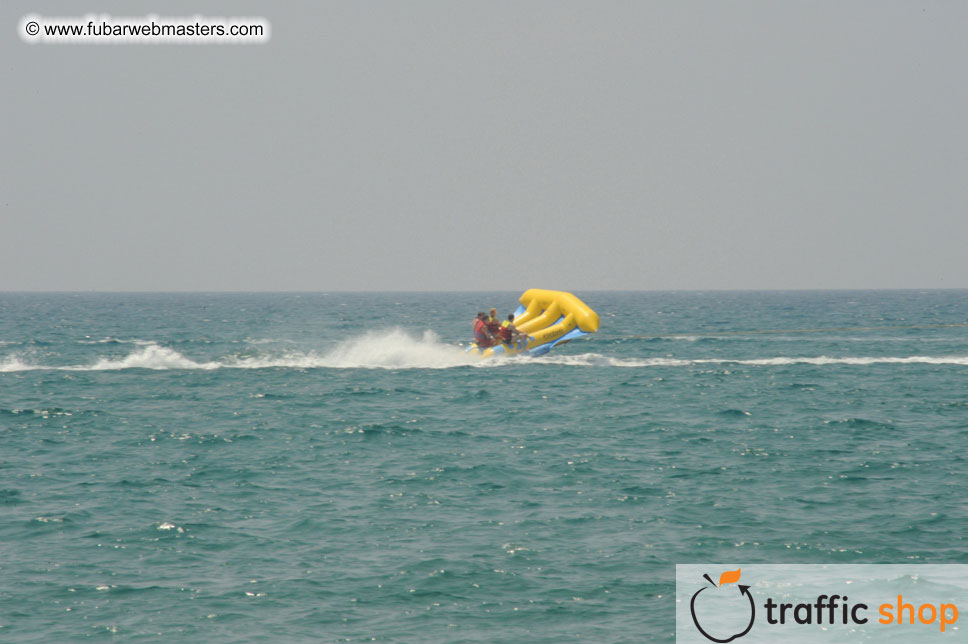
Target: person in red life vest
[
  {"x": 481, "y": 335},
  {"x": 493, "y": 324}
]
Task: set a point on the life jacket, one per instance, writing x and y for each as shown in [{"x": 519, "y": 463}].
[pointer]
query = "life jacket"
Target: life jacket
[
  {"x": 480, "y": 336},
  {"x": 493, "y": 324},
  {"x": 505, "y": 331}
]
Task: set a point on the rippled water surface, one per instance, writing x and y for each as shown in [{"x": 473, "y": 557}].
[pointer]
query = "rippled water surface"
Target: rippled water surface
[{"x": 333, "y": 467}]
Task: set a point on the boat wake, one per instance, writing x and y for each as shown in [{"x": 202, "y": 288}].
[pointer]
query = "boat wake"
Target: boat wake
[
  {"x": 397, "y": 349},
  {"x": 393, "y": 349},
  {"x": 598, "y": 360}
]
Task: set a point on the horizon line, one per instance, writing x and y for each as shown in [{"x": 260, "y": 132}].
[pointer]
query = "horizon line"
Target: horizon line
[{"x": 417, "y": 291}]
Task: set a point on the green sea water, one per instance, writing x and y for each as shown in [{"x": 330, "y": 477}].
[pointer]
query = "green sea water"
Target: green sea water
[{"x": 333, "y": 467}]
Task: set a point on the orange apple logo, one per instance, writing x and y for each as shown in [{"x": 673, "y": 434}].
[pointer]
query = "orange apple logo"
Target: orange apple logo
[{"x": 734, "y": 603}]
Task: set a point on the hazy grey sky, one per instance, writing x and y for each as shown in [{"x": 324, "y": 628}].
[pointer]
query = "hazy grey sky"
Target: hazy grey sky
[{"x": 492, "y": 145}]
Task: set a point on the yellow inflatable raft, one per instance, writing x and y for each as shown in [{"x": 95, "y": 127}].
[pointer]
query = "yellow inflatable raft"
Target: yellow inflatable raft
[{"x": 549, "y": 318}]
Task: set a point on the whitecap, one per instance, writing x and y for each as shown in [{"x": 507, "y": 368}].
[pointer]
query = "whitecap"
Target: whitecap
[
  {"x": 151, "y": 356},
  {"x": 392, "y": 349},
  {"x": 398, "y": 349}
]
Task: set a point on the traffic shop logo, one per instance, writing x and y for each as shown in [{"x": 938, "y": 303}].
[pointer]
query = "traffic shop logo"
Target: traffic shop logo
[{"x": 735, "y": 602}]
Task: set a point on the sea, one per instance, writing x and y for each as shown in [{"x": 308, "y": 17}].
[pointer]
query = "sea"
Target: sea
[{"x": 333, "y": 467}]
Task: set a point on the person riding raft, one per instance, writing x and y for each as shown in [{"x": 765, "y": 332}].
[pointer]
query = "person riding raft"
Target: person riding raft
[
  {"x": 493, "y": 324},
  {"x": 509, "y": 333},
  {"x": 482, "y": 336}
]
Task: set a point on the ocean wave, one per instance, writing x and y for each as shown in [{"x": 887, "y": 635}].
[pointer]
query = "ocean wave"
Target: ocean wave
[
  {"x": 393, "y": 349},
  {"x": 151, "y": 356},
  {"x": 14, "y": 363},
  {"x": 826, "y": 360},
  {"x": 397, "y": 349},
  {"x": 266, "y": 341},
  {"x": 598, "y": 360}
]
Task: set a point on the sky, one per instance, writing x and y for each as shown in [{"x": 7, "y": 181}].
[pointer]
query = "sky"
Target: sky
[{"x": 456, "y": 145}]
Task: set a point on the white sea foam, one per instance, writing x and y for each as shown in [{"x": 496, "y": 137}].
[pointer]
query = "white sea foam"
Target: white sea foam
[
  {"x": 826, "y": 360},
  {"x": 598, "y": 360},
  {"x": 393, "y": 349},
  {"x": 152, "y": 356},
  {"x": 15, "y": 363},
  {"x": 168, "y": 525},
  {"x": 266, "y": 341},
  {"x": 396, "y": 349}
]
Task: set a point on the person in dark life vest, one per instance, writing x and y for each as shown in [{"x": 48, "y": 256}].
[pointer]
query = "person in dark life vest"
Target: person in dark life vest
[
  {"x": 509, "y": 332},
  {"x": 481, "y": 335}
]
